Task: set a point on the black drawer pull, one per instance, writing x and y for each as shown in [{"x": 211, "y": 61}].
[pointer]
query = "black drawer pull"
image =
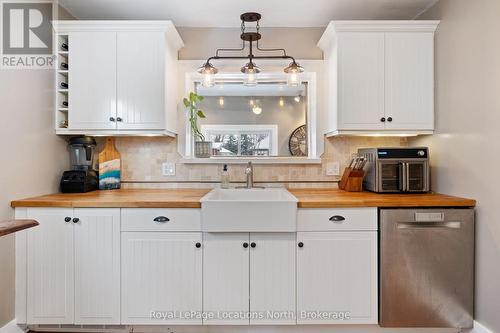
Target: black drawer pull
[
  {"x": 76, "y": 220},
  {"x": 300, "y": 244},
  {"x": 337, "y": 218},
  {"x": 161, "y": 219},
  {"x": 253, "y": 245},
  {"x": 245, "y": 245},
  {"x": 198, "y": 245},
  {"x": 67, "y": 219}
]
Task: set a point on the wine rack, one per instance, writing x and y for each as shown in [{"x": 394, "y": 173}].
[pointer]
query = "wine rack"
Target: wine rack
[{"x": 62, "y": 68}]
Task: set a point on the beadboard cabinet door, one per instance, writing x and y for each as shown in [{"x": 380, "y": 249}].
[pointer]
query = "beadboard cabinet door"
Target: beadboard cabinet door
[
  {"x": 337, "y": 274},
  {"x": 226, "y": 277},
  {"x": 92, "y": 80},
  {"x": 361, "y": 80},
  {"x": 97, "y": 266},
  {"x": 272, "y": 278},
  {"x": 162, "y": 275},
  {"x": 141, "y": 80},
  {"x": 50, "y": 267},
  {"x": 409, "y": 80}
]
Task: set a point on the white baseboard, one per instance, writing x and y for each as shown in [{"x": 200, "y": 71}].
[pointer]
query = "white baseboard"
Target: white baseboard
[
  {"x": 478, "y": 328},
  {"x": 12, "y": 327}
]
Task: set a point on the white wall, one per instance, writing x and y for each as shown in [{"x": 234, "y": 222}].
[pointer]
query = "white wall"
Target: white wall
[
  {"x": 465, "y": 150},
  {"x": 31, "y": 157}
]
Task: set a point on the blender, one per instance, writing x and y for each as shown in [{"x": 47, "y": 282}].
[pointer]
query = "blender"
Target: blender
[{"x": 82, "y": 177}]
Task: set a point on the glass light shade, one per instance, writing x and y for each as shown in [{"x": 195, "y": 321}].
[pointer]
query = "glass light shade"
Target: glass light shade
[
  {"x": 251, "y": 70},
  {"x": 208, "y": 71},
  {"x": 293, "y": 70}
]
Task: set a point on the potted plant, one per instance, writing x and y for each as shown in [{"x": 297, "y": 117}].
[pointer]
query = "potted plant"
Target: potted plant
[{"x": 202, "y": 148}]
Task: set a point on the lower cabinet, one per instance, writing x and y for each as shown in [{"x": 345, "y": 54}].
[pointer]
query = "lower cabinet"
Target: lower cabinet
[
  {"x": 98, "y": 266},
  {"x": 73, "y": 266},
  {"x": 337, "y": 278},
  {"x": 249, "y": 278},
  {"x": 161, "y": 278}
]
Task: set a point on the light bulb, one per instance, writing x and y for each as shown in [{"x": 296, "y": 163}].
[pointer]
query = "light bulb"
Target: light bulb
[
  {"x": 251, "y": 102},
  {"x": 297, "y": 99},
  {"x": 250, "y": 79},
  {"x": 208, "y": 80},
  {"x": 282, "y": 102},
  {"x": 221, "y": 101},
  {"x": 257, "y": 109},
  {"x": 292, "y": 79}
]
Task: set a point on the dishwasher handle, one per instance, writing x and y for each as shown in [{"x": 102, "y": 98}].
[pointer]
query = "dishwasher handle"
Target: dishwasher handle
[{"x": 427, "y": 225}]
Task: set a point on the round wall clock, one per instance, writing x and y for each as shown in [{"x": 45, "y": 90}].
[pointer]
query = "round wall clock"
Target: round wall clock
[{"x": 298, "y": 141}]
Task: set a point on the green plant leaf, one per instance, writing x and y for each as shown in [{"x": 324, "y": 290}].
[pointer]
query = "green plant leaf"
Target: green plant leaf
[
  {"x": 186, "y": 102},
  {"x": 200, "y": 114},
  {"x": 192, "y": 97},
  {"x": 200, "y": 98}
]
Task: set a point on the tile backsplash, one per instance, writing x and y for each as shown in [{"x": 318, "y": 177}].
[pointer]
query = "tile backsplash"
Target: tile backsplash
[{"x": 142, "y": 158}]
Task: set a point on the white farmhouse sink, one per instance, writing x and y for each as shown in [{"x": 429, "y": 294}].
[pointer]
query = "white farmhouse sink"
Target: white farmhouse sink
[{"x": 249, "y": 210}]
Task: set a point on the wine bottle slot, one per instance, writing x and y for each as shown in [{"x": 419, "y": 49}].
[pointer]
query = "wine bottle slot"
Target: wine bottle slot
[
  {"x": 64, "y": 85},
  {"x": 64, "y": 65},
  {"x": 64, "y": 47},
  {"x": 65, "y": 104}
]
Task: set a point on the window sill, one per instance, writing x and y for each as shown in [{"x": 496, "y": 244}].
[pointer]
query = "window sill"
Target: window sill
[{"x": 253, "y": 159}]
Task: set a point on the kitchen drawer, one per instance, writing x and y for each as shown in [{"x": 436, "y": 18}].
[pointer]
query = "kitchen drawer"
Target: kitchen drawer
[
  {"x": 169, "y": 219},
  {"x": 333, "y": 219}
]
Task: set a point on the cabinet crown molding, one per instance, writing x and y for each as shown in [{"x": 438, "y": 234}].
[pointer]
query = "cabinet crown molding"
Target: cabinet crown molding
[
  {"x": 335, "y": 27},
  {"x": 174, "y": 39}
]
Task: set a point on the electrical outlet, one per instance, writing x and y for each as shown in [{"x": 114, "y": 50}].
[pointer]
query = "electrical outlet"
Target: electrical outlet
[
  {"x": 168, "y": 169},
  {"x": 333, "y": 169}
]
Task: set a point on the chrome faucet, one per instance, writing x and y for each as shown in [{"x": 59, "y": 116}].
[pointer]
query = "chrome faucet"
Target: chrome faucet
[{"x": 249, "y": 173}]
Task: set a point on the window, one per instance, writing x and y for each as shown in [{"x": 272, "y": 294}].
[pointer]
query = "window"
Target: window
[{"x": 242, "y": 140}]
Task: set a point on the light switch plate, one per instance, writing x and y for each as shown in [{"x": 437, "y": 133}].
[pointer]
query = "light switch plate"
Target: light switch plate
[
  {"x": 168, "y": 169},
  {"x": 333, "y": 169}
]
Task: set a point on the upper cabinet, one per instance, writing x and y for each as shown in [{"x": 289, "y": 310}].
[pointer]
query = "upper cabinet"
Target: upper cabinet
[
  {"x": 116, "y": 77},
  {"x": 380, "y": 77}
]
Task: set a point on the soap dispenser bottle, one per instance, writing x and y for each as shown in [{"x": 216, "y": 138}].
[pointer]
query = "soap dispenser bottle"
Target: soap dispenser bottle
[{"x": 224, "y": 178}]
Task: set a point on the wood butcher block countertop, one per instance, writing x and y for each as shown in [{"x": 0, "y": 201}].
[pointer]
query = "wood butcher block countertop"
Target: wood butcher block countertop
[{"x": 190, "y": 198}]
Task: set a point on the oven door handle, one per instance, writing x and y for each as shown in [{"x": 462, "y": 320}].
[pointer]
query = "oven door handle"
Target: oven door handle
[{"x": 402, "y": 177}]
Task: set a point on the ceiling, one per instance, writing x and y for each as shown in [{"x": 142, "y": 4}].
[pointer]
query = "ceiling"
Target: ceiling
[{"x": 225, "y": 13}]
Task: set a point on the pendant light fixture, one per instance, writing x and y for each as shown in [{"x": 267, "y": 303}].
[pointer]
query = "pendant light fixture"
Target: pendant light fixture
[{"x": 251, "y": 69}]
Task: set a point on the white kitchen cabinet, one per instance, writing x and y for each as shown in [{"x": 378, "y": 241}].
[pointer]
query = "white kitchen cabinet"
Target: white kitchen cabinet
[
  {"x": 162, "y": 273},
  {"x": 250, "y": 274},
  {"x": 73, "y": 266},
  {"x": 50, "y": 267},
  {"x": 272, "y": 278},
  {"x": 337, "y": 275},
  {"x": 97, "y": 266},
  {"x": 226, "y": 278},
  {"x": 361, "y": 80},
  {"x": 409, "y": 80},
  {"x": 121, "y": 77},
  {"x": 141, "y": 80},
  {"x": 380, "y": 77},
  {"x": 92, "y": 80}
]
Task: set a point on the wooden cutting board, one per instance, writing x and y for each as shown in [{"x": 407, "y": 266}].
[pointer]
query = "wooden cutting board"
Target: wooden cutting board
[{"x": 109, "y": 166}]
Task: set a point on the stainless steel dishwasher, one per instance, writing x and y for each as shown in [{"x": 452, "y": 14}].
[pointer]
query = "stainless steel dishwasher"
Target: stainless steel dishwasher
[{"x": 426, "y": 267}]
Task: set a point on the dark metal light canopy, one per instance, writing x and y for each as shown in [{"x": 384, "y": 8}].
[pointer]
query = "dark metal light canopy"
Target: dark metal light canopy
[{"x": 250, "y": 69}]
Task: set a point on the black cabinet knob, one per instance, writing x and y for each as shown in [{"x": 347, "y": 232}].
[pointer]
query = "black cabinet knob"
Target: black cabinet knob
[
  {"x": 76, "y": 220},
  {"x": 389, "y": 119},
  {"x": 245, "y": 245},
  {"x": 67, "y": 219},
  {"x": 253, "y": 245},
  {"x": 337, "y": 218},
  {"x": 161, "y": 219},
  {"x": 198, "y": 245},
  {"x": 111, "y": 119},
  {"x": 382, "y": 119},
  {"x": 300, "y": 244},
  {"x": 119, "y": 119}
]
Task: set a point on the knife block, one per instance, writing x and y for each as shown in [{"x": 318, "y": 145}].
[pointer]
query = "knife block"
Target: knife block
[{"x": 352, "y": 180}]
